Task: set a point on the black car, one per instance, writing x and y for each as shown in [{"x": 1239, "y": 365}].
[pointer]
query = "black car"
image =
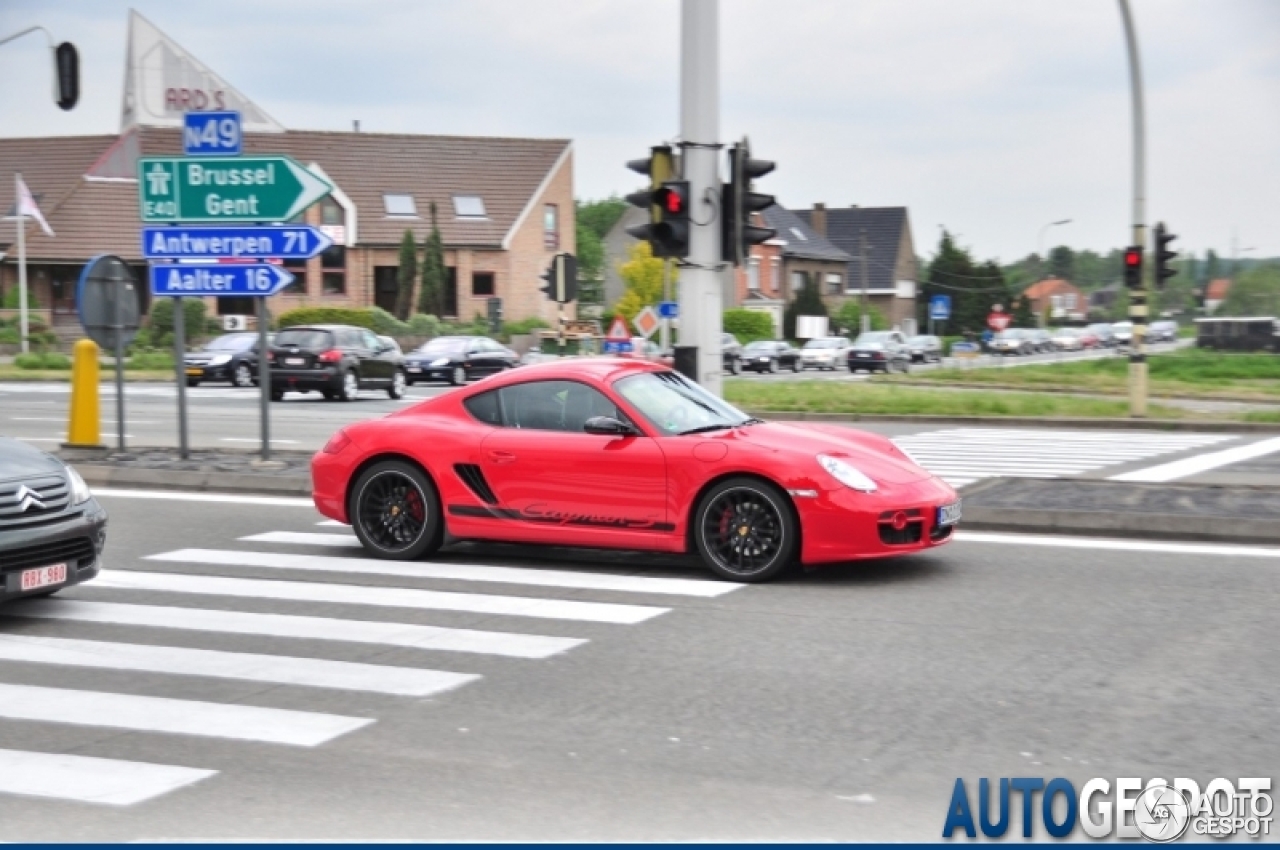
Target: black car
[
  {"x": 766, "y": 356},
  {"x": 925, "y": 348},
  {"x": 880, "y": 351},
  {"x": 731, "y": 349},
  {"x": 52, "y": 530},
  {"x": 458, "y": 359},
  {"x": 336, "y": 360},
  {"x": 230, "y": 357}
]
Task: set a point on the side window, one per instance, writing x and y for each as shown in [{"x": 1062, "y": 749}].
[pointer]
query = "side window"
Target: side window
[
  {"x": 485, "y": 407},
  {"x": 369, "y": 340},
  {"x": 349, "y": 339},
  {"x": 553, "y": 405}
]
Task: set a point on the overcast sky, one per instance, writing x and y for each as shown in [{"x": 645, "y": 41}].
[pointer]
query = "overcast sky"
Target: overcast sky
[{"x": 991, "y": 118}]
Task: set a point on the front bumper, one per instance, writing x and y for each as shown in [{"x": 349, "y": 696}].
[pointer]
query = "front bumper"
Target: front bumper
[
  {"x": 76, "y": 540},
  {"x": 208, "y": 373},
  {"x": 845, "y": 525},
  {"x": 420, "y": 372}
]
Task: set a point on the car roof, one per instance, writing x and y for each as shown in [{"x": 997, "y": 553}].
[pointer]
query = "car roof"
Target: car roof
[{"x": 603, "y": 369}]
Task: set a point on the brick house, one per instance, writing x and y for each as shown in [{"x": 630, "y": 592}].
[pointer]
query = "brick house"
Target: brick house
[
  {"x": 1057, "y": 300},
  {"x": 1215, "y": 293}
]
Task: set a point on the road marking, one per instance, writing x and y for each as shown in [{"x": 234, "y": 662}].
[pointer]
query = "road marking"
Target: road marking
[
  {"x": 91, "y": 780},
  {"x": 1201, "y": 463},
  {"x": 386, "y": 597},
  {"x": 706, "y": 588},
  {"x": 176, "y": 716},
  {"x": 333, "y": 522},
  {"x": 39, "y": 439},
  {"x": 253, "y": 440},
  {"x": 179, "y": 496},
  {"x": 38, "y": 419},
  {"x": 278, "y": 669},
  {"x": 1198, "y": 549},
  {"x": 290, "y": 626}
]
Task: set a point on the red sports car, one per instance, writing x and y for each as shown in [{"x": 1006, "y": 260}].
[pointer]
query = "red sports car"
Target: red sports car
[{"x": 626, "y": 454}]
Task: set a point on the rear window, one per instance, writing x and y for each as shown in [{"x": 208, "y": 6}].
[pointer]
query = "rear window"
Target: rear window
[
  {"x": 444, "y": 345},
  {"x": 307, "y": 338},
  {"x": 485, "y": 407}
]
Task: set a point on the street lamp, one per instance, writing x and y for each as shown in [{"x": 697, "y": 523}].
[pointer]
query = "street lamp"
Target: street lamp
[{"x": 1040, "y": 241}]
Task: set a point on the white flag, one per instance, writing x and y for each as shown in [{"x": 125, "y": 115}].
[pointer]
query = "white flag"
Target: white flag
[{"x": 27, "y": 206}]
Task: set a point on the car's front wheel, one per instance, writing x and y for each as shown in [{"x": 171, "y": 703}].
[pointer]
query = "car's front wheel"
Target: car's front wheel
[
  {"x": 398, "y": 384},
  {"x": 395, "y": 511},
  {"x": 457, "y": 376},
  {"x": 243, "y": 376},
  {"x": 745, "y": 531},
  {"x": 797, "y": 366},
  {"x": 732, "y": 368},
  {"x": 193, "y": 382},
  {"x": 773, "y": 367}
]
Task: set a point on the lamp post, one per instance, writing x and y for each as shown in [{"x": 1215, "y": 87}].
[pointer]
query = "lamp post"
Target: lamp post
[{"x": 1040, "y": 240}]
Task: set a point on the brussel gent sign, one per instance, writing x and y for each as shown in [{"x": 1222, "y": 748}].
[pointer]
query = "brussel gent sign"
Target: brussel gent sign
[{"x": 249, "y": 188}]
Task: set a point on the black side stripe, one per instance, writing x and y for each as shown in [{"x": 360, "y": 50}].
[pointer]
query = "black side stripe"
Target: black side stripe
[{"x": 483, "y": 512}]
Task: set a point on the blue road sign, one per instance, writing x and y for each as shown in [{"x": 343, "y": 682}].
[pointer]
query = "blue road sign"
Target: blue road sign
[
  {"x": 221, "y": 279},
  {"x": 211, "y": 134},
  {"x": 282, "y": 241},
  {"x": 611, "y": 347},
  {"x": 940, "y": 308},
  {"x": 668, "y": 310}
]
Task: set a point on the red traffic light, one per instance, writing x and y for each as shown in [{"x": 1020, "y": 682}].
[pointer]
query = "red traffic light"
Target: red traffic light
[
  {"x": 1133, "y": 258},
  {"x": 671, "y": 197}
]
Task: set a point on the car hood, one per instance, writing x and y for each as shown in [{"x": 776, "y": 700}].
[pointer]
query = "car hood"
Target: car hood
[
  {"x": 18, "y": 460},
  {"x": 870, "y": 453}
]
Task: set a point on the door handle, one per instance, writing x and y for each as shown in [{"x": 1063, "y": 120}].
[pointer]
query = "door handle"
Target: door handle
[{"x": 501, "y": 457}]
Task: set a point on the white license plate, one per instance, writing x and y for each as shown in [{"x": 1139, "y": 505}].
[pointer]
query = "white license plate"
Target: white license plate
[
  {"x": 415, "y": 369},
  {"x": 948, "y": 514},
  {"x": 294, "y": 361},
  {"x": 43, "y": 577},
  {"x": 863, "y": 354}
]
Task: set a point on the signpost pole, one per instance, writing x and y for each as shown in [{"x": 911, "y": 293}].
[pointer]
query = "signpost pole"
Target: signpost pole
[
  {"x": 23, "y": 326},
  {"x": 264, "y": 380},
  {"x": 179, "y": 349},
  {"x": 117, "y": 331}
]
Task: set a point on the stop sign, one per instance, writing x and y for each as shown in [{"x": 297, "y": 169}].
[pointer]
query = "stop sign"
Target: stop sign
[{"x": 998, "y": 321}]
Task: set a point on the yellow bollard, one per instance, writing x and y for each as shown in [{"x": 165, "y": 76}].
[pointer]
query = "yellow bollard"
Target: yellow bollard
[{"x": 84, "y": 426}]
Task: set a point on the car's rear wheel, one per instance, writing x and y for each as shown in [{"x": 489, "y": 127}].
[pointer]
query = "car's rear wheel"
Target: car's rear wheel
[
  {"x": 395, "y": 511},
  {"x": 796, "y": 365},
  {"x": 398, "y": 383},
  {"x": 277, "y": 395},
  {"x": 243, "y": 376},
  {"x": 745, "y": 531},
  {"x": 350, "y": 386},
  {"x": 732, "y": 368},
  {"x": 457, "y": 376},
  {"x": 773, "y": 367}
]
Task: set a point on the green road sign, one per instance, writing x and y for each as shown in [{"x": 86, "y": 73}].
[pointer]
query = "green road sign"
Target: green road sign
[{"x": 242, "y": 188}]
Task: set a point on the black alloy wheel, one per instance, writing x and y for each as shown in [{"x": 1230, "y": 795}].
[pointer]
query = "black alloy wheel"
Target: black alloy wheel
[
  {"x": 242, "y": 376},
  {"x": 745, "y": 531},
  {"x": 395, "y": 511}
]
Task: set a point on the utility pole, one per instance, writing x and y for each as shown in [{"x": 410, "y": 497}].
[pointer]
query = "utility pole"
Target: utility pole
[
  {"x": 865, "y": 317},
  {"x": 701, "y": 298},
  {"x": 1137, "y": 296}
]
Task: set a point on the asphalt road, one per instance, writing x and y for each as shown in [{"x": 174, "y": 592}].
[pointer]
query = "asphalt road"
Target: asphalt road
[{"x": 837, "y": 705}]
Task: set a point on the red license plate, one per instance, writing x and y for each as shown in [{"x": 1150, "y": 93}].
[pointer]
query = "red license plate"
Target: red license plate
[{"x": 43, "y": 577}]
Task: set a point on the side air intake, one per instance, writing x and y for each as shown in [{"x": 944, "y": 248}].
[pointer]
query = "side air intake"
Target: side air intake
[{"x": 474, "y": 479}]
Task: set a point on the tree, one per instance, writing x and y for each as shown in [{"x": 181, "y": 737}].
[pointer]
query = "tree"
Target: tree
[
  {"x": 748, "y": 325},
  {"x": 406, "y": 275},
  {"x": 1023, "y": 315},
  {"x": 1255, "y": 293},
  {"x": 1062, "y": 262},
  {"x": 1212, "y": 267},
  {"x": 594, "y": 220},
  {"x": 642, "y": 276},
  {"x": 434, "y": 274},
  {"x": 849, "y": 317},
  {"x": 808, "y": 302},
  {"x": 973, "y": 288}
]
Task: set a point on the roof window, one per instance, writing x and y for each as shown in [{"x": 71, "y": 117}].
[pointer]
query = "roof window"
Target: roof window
[
  {"x": 400, "y": 205},
  {"x": 469, "y": 206},
  {"x": 799, "y": 234}
]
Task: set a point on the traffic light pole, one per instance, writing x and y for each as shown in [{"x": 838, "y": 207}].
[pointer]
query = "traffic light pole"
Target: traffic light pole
[
  {"x": 700, "y": 296},
  {"x": 1137, "y": 296}
]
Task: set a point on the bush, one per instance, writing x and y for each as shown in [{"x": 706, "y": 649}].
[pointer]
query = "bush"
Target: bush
[
  {"x": 849, "y": 318},
  {"x": 10, "y": 336},
  {"x": 424, "y": 324},
  {"x": 479, "y": 326},
  {"x": 160, "y": 319},
  {"x": 748, "y": 325},
  {"x": 42, "y": 360},
  {"x": 386, "y": 324},
  {"x": 150, "y": 360},
  {"x": 10, "y": 300},
  {"x": 326, "y": 316},
  {"x": 524, "y": 326}
]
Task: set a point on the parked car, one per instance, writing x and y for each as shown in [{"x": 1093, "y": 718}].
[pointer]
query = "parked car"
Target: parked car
[
  {"x": 1106, "y": 336},
  {"x": 1162, "y": 331},
  {"x": 829, "y": 352},
  {"x": 925, "y": 348},
  {"x": 1012, "y": 341},
  {"x": 1068, "y": 339},
  {"x": 335, "y": 360},
  {"x": 230, "y": 357},
  {"x": 458, "y": 359},
  {"x": 626, "y": 454},
  {"x": 1041, "y": 340},
  {"x": 52, "y": 530},
  {"x": 731, "y": 350},
  {"x": 770, "y": 356},
  {"x": 1088, "y": 338},
  {"x": 880, "y": 351},
  {"x": 1122, "y": 333}
]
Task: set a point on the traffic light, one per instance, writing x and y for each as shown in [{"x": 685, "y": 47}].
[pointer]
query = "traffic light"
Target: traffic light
[
  {"x": 738, "y": 202},
  {"x": 1133, "y": 267},
  {"x": 562, "y": 279},
  {"x": 66, "y": 70},
  {"x": 1163, "y": 255},
  {"x": 659, "y": 167},
  {"x": 670, "y": 236}
]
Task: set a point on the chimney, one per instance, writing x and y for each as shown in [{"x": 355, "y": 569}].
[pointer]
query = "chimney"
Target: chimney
[
  {"x": 818, "y": 220},
  {"x": 355, "y": 126}
]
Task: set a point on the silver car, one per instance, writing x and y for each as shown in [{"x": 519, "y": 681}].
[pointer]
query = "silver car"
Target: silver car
[
  {"x": 825, "y": 352},
  {"x": 1067, "y": 339}
]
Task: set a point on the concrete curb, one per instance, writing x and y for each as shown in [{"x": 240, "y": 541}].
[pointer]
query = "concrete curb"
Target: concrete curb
[
  {"x": 1209, "y": 426},
  {"x": 1063, "y": 390},
  {"x": 275, "y": 484}
]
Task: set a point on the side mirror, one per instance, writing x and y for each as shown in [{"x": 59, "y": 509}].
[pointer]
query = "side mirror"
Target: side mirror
[{"x": 608, "y": 426}]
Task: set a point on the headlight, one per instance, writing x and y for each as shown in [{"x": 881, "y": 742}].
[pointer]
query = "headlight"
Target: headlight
[
  {"x": 79, "y": 490},
  {"x": 846, "y": 474},
  {"x": 440, "y": 361},
  {"x": 219, "y": 359}
]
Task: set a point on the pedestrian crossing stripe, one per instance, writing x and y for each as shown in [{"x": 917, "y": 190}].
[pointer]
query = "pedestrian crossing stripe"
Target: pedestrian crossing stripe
[
  {"x": 87, "y": 779},
  {"x": 962, "y": 456}
]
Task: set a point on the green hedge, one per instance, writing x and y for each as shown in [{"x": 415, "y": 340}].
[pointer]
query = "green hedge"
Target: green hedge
[
  {"x": 327, "y": 316},
  {"x": 748, "y": 325},
  {"x": 42, "y": 360},
  {"x": 160, "y": 319}
]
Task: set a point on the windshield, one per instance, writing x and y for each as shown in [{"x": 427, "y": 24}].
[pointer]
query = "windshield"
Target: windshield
[
  {"x": 307, "y": 338},
  {"x": 822, "y": 343},
  {"x": 675, "y": 405},
  {"x": 759, "y": 346},
  {"x": 444, "y": 345},
  {"x": 920, "y": 340},
  {"x": 1122, "y": 326},
  {"x": 232, "y": 342}
]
